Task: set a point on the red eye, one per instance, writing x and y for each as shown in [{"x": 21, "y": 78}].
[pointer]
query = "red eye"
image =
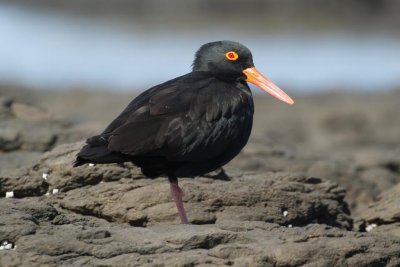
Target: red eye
[{"x": 231, "y": 55}]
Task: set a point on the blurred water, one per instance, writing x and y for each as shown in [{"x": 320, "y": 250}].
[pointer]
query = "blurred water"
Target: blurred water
[{"x": 54, "y": 51}]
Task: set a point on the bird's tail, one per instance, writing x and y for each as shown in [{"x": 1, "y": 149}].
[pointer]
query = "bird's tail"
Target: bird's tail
[{"x": 96, "y": 151}]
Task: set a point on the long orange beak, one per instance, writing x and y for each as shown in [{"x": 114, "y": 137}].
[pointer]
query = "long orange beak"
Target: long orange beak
[{"x": 255, "y": 77}]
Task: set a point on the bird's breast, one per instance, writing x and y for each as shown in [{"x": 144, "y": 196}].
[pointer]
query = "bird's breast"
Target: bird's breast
[{"x": 214, "y": 128}]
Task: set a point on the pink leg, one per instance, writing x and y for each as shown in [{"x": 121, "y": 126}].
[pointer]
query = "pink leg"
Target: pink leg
[{"x": 177, "y": 194}]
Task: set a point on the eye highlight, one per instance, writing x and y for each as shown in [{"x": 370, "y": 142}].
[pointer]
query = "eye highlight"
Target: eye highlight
[{"x": 232, "y": 55}]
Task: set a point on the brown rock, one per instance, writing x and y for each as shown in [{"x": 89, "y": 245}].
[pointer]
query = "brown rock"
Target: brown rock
[
  {"x": 383, "y": 216},
  {"x": 278, "y": 198},
  {"x": 23, "y": 183},
  {"x": 29, "y": 113},
  {"x": 40, "y": 239},
  {"x": 121, "y": 194}
]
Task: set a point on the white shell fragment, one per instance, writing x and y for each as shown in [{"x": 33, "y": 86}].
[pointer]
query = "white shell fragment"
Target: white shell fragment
[
  {"x": 290, "y": 226},
  {"x": 6, "y": 245},
  {"x": 55, "y": 191},
  {"x": 10, "y": 194},
  {"x": 285, "y": 213},
  {"x": 370, "y": 227},
  {"x": 91, "y": 164},
  {"x": 45, "y": 176}
]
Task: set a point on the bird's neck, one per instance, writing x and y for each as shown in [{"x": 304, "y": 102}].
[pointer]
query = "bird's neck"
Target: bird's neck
[{"x": 223, "y": 77}]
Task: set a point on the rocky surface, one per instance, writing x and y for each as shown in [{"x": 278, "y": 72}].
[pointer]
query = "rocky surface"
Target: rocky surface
[
  {"x": 351, "y": 139},
  {"x": 121, "y": 194},
  {"x": 25, "y": 127},
  {"x": 384, "y": 215},
  {"x": 110, "y": 215},
  {"x": 44, "y": 235},
  {"x": 26, "y": 131},
  {"x": 282, "y": 202}
]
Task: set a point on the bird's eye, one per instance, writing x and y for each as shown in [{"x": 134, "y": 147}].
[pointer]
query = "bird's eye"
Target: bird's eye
[{"x": 232, "y": 55}]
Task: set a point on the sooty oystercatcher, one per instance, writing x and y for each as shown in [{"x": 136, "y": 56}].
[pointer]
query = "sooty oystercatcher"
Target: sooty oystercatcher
[{"x": 189, "y": 125}]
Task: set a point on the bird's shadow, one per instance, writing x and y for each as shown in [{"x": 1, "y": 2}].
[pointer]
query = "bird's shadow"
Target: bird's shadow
[{"x": 219, "y": 174}]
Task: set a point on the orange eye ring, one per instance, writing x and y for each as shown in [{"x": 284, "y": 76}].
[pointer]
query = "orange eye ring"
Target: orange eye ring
[{"x": 232, "y": 55}]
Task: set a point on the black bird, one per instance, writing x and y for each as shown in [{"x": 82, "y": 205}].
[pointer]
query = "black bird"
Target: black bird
[{"x": 189, "y": 125}]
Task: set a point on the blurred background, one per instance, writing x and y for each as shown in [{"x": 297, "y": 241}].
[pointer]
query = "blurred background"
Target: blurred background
[
  {"x": 303, "y": 45},
  {"x": 69, "y": 67}
]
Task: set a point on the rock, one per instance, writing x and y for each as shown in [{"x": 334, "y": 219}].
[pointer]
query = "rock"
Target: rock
[
  {"x": 29, "y": 113},
  {"x": 121, "y": 194},
  {"x": 5, "y": 104},
  {"x": 379, "y": 179},
  {"x": 365, "y": 174},
  {"x": 39, "y": 238},
  {"x": 382, "y": 216},
  {"x": 57, "y": 164},
  {"x": 17, "y": 159},
  {"x": 15, "y": 220},
  {"x": 26, "y": 127},
  {"x": 20, "y": 135},
  {"x": 26, "y": 131},
  {"x": 252, "y": 197},
  {"x": 23, "y": 182},
  {"x": 313, "y": 245}
]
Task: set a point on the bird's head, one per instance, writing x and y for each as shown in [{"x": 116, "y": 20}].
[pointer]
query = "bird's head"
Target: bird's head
[{"x": 230, "y": 61}]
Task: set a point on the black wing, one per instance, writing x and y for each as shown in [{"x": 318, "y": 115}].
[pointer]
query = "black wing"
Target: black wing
[{"x": 186, "y": 119}]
